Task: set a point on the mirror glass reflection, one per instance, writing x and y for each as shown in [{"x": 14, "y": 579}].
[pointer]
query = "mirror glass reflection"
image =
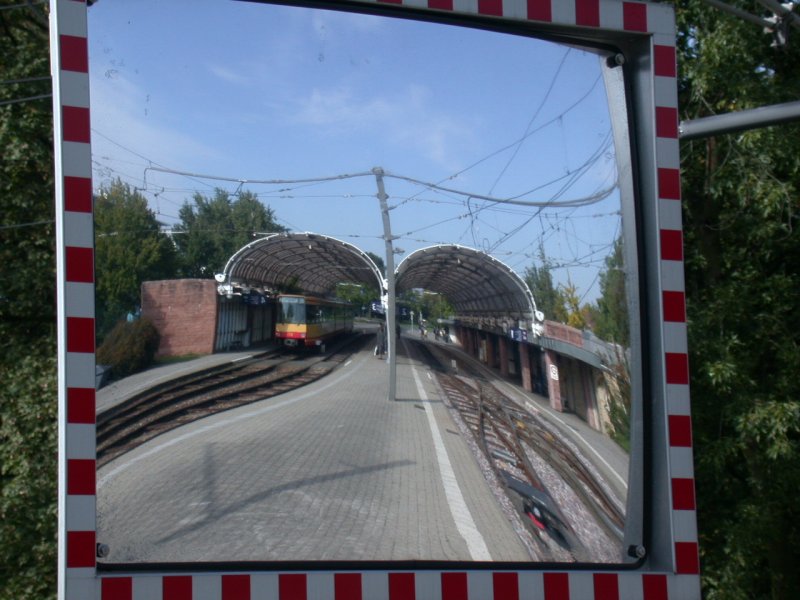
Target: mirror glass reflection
[{"x": 241, "y": 154}]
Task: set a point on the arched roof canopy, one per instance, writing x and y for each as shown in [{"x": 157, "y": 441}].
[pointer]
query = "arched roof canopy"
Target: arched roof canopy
[
  {"x": 473, "y": 282},
  {"x": 312, "y": 262}
]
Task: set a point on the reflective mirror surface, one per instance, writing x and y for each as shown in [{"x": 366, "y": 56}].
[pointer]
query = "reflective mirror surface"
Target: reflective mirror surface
[{"x": 244, "y": 410}]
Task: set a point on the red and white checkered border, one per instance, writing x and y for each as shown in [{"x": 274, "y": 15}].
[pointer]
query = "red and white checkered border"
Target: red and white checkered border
[{"x": 78, "y": 577}]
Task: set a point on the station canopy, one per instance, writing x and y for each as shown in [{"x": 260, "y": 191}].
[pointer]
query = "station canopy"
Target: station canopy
[
  {"x": 474, "y": 283},
  {"x": 311, "y": 262}
]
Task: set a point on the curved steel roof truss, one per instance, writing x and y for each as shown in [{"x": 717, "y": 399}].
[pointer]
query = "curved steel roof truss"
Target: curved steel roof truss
[
  {"x": 472, "y": 281},
  {"x": 314, "y": 263}
]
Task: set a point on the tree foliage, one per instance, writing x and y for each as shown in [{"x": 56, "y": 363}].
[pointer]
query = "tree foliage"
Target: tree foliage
[
  {"x": 130, "y": 347},
  {"x": 742, "y": 254},
  {"x": 611, "y": 314},
  {"x": 27, "y": 230},
  {"x": 129, "y": 249},
  {"x": 212, "y": 229},
  {"x": 546, "y": 294},
  {"x": 28, "y": 477},
  {"x": 27, "y": 311}
]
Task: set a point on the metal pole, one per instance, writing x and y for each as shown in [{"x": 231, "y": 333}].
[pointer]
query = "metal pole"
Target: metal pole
[
  {"x": 738, "y": 121},
  {"x": 390, "y": 301}
]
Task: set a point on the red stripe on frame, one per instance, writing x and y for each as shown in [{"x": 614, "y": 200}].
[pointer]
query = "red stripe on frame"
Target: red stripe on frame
[
  {"x": 493, "y": 8},
  {"x": 81, "y": 551},
  {"x": 81, "y": 477},
  {"x": 76, "y": 124},
  {"x": 80, "y": 264},
  {"x": 680, "y": 431},
  {"x": 292, "y": 586},
  {"x": 587, "y": 13},
  {"x": 556, "y": 586},
  {"x": 540, "y": 10},
  {"x": 116, "y": 588},
  {"x": 440, "y": 4},
  {"x": 78, "y": 194},
  {"x": 687, "y": 559},
  {"x": 236, "y": 587},
  {"x": 454, "y": 586},
  {"x": 505, "y": 586},
  {"x": 674, "y": 307},
  {"x": 74, "y": 54},
  {"x": 176, "y": 587},
  {"x": 683, "y": 494},
  {"x": 654, "y": 587},
  {"x": 669, "y": 184},
  {"x": 677, "y": 368},
  {"x": 671, "y": 244},
  {"x": 606, "y": 586},
  {"x": 80, "y": 405},
  {"x": 401, "y": 586},
  {"x": 347, "y": 586},
  {"x": 664, "y": 61},
  {"x": 634, "y": 16},
  {"x": 80, "y": 334},
  {"x": 667, "y": 122}
]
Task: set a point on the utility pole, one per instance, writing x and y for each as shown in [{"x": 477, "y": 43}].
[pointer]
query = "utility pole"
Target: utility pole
[{"x": 391, "y": 335}]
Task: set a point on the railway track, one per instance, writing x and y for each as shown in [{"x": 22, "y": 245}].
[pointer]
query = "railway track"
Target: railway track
[
  {"x": 171, "y": 405},
  {"x": 509, "y": 436}
]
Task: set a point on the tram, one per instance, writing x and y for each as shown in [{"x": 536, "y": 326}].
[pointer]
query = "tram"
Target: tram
[{"x": 306, "y": 321}]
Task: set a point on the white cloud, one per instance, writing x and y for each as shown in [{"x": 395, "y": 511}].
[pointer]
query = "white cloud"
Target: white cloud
[
  {"x": 406, "y": 119},
  {"x": 229, "y": 75},
  {"x": 123, "y": 112}
]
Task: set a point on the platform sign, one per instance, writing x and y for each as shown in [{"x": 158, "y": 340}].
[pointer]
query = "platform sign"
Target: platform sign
[{"x": 637, "y": 40}]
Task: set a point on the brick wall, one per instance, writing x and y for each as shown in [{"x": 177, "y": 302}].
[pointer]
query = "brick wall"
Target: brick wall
[
  {"x": 565, "y": 333},
  {"x": 185, "y": 313}
]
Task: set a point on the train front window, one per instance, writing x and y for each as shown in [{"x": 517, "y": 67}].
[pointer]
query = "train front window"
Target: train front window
[{"x": 293, "y": 310}]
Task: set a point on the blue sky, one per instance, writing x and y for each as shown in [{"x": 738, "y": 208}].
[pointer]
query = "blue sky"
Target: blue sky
[{"x": 258, "y": 92}]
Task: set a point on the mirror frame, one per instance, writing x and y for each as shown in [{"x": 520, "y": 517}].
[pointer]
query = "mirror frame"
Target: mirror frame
[{"x": 668, "y": 565}]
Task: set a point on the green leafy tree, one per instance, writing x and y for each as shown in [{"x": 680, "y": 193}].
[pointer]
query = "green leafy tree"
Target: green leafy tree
[
  {"x": 357, "y": 295},
  {"x": 129, "y": 249},
  {"x": 742, "y": 261},
  {"x": 213, "y": 229},
  {"x": 28, "y": 404},
  {"x": 549, "y": 299},
  {"x": 611, "y": 312},
  {"x": 578, "y": 316},
  {"x": 27, "y": 231},
  {"x": 378, "y": 262}
]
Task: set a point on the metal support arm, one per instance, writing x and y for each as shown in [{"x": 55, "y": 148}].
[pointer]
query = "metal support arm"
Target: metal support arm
[{"x": 739, "y": 121}]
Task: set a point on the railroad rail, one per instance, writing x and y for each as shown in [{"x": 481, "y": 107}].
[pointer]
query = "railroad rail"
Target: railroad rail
[
  {"x": 509, "y": 435},
  {"x": 181, "y": 401}
]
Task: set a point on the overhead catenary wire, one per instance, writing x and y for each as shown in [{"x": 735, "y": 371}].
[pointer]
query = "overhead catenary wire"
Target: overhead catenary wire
[
  {"x": 518, "y": 204},
  {"x": 26, "y": 99}
]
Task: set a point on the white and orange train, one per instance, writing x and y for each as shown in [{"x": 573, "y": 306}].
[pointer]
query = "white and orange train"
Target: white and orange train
[{"x": 306, "y": 321}]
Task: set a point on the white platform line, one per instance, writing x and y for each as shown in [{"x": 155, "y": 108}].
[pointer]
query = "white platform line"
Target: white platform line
[{"x": 455, "y": 500}]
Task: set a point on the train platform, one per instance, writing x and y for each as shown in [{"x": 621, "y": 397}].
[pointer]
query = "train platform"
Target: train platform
[
  {"x": 121, "y": 390},
  {"x": 329, "y": 471}
]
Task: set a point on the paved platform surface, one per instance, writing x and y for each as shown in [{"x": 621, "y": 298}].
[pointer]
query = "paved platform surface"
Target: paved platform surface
[{"x": 331, "y": 471}]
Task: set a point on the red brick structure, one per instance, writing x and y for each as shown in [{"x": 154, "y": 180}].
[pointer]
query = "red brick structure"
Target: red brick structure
[{"x": 185, "y": 313}]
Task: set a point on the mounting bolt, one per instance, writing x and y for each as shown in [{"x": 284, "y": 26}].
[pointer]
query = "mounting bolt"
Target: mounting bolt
[
  {"x": 103, "y": 550},
  {"x": 616, "y": 60},
  {"x": 637, "y": 551}
]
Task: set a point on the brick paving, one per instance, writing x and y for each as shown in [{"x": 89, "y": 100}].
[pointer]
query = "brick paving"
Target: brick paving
[{"x": 332, "y": 471}]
